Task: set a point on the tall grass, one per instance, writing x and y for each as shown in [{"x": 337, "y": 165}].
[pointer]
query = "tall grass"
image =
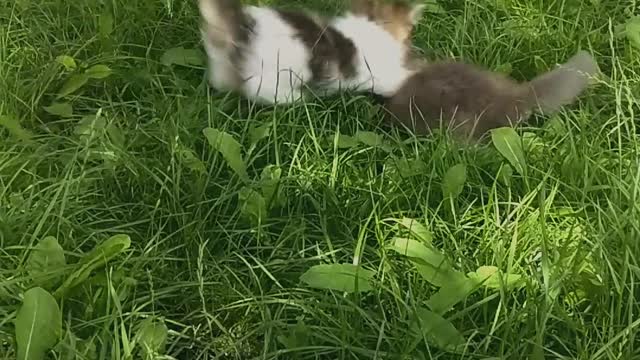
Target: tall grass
[{"x": 132, "y": 159}]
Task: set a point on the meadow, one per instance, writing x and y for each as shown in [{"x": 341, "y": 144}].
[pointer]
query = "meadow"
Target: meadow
[{"x": 145, "y": 216}]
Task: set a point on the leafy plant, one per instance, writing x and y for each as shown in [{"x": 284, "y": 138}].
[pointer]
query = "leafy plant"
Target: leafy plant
[
  {"x": 90, "y": 262},
  {"x": 252, "y": 205},
  {"x": 78, "y": 80},
  {"x": 453, "y": 181},
  {"x": 151, "y": 337},
  {"x": 181, "y": 56},
  {"x": 509, "y": 144},
  {"x": 230, "y": 149},
  {"x": 340, "y": 277},
  {"x": 14, "y": 127},
  {"x": 454, "y": 286},
  {"x": 64, "y": 110},
  {"x": 436, "y": 330},
  {"x": 38, "y": 324},
  {"x": 631, "y": 30},
  {"x": 46, "y": 262}
]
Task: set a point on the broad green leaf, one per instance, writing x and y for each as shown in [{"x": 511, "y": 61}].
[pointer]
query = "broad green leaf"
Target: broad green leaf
[
  {"x": 437, "y": 275},
  {"x": 16, "y": 200},
  {"x": 60, "y": 109},
  {"x": 437, "y": 330},
  {"x": 632, "y": 31},
  {"x": 454, "y": 180},
  {"x": 105, "y": 24},
  {"x": 341, "y": 277},
  {"x": 152, "y": 337},
  {"x": 13, "y": 126},
  {"x": 45, "y": 261},
  {"x": 297, "y": 338},
  {"x": 555, "y": 126},
  {"x": 252, "y": 205},
  {"x": 416, "y": 229},
  {"x": 430, "y": 264},
  {"x": 269, "y": 184},
  {"x": 66, "y": 349},
  {"x": 505, "y": 174},
  {"x": 182, "y": 56},
  {"x": 38, "y": 324},
  {"x": 505, "y": 68},
  {"x": 257, "y": 133},
  {"x": 432, "y": 6},
  {"x": 191, "y": 161},
  {"x": 99, "y": 256},
  {"x": 452, "y": 293},
  {"x": 98, "y": 72},
  {"x": 90, "y": 125},
  {"x": 369, "y": 138},
  {"x": 116, "y": 135},
  {"x": 346, "y": 141},
  {"x": 537, "y": 351},
  {"x": 509, "y": 144},
  {"x": 73, "y": 83},
  {"x": 408, "y": 167},
  {"x": 230, "y": 150},
  {"x": 416, "y": 249},
  {"x": 67, "y": 61},
  {"x": 491, "y": 278},
  {"x": 72, "y": 347}
]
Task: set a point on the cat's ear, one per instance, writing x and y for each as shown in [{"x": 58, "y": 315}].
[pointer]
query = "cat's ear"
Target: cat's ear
[
  {"x": 362, "y": 7},
  {"x": 209, "y": 11},
  {"x": 416, "y": 13},
  {"x": 220, "y": 20}
]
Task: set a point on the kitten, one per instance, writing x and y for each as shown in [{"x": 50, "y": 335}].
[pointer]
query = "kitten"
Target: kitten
[
  {"x": 470, "y": 100},
  {"x": 271, "y": 55}
]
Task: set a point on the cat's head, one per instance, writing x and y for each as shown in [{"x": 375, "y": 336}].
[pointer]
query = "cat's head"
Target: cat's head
[{"x": 397, "y": 17}]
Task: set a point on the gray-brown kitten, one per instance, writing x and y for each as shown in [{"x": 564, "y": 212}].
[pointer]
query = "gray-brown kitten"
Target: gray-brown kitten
[{"x": 470, "y": 100}]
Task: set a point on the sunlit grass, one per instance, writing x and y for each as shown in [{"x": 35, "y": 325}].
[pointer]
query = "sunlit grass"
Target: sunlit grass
[{"x": 226, "y": 287}]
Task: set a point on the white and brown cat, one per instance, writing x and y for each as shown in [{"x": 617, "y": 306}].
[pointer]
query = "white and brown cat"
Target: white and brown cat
[{"x": 273, "y": 55}]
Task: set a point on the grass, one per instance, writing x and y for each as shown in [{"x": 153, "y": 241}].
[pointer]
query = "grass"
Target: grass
[{"x": 215, "y": 267}]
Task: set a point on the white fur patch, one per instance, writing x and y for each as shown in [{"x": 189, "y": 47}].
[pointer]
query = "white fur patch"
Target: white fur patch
[
  {"x": 221, "y": 70},
  {"x": 380, "y": 62},
  {"x": 276, "y": 62}
]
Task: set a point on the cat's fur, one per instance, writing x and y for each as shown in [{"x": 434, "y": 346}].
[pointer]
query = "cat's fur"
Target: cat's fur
[
  {"x": 470, "y": 100},
  {"x": 272, "y": 55}
]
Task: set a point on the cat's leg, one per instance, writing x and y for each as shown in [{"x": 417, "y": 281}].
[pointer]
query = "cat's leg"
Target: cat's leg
[
  {"x": 280, "y": 87},
  {"x": 222, "y": 73}
]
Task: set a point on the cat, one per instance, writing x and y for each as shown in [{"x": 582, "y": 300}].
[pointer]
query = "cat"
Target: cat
[
  {"x": 470, "y": 100},
  {"x": 274, "y": 55}
]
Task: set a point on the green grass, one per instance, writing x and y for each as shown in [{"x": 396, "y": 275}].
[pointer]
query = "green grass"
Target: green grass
[{"x": 226, "y": 284}]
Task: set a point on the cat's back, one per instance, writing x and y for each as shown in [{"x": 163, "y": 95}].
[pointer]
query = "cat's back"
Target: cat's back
[
  {"x": 456, "y": 93},
  {"x": 459, "y": 84},
  {"x": 380, "y": 59},
  {"x": 271, "y": 32}
]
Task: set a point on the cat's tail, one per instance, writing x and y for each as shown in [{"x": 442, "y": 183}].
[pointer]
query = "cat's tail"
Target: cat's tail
[
  {"x": 224, "y": 22},
  {"x": 561, "y": 86}
]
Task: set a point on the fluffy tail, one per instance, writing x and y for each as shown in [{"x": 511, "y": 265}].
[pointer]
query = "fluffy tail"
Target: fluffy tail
[
  {"x": 224, "y": 21},
  {"x": 561, "y": 86}
]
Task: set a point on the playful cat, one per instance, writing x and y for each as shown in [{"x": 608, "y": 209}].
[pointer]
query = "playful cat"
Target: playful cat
[
  {"x": 273, "y": 55},
  {"x": 470, "y": 100}
]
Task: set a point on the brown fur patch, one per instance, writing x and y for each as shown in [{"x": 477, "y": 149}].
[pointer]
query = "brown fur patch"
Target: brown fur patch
[
  {"x": 394, "y": 16},
  {"x": 471, "y": 100},
  {"x": 328, "y": 47},
  {"x": 461, "y": 97}
]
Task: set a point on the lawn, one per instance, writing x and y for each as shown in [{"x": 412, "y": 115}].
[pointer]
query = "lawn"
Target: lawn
[{"x": 143, "y": 215}]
